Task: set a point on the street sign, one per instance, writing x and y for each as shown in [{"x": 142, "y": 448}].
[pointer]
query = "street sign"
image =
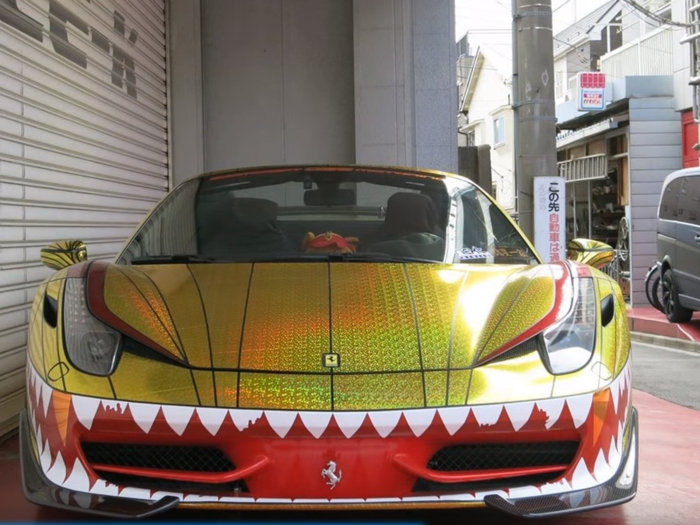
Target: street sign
[
  {"x": 591, "y": 91},
  {"x": 550, "y": 217}
]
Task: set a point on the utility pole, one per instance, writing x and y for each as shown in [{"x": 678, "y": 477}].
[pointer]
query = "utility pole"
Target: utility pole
[{"x": 535, "y": 147}]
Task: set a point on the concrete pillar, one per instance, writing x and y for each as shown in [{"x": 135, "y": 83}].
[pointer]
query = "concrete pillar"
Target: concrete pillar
[{"x": 405, "y": 83}]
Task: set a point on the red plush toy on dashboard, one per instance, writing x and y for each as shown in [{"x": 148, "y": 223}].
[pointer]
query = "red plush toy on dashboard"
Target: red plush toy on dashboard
[{"x": 329, "y": 242}]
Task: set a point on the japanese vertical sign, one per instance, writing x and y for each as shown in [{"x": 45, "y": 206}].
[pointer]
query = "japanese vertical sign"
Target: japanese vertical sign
[{"x": 550, "y": 217}]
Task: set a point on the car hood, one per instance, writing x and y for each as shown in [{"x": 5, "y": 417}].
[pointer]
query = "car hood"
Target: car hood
[{"x": 283, "y": 317}]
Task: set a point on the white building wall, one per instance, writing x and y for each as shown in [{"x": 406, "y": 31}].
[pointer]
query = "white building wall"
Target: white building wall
[{"x": 277, "y": 82}]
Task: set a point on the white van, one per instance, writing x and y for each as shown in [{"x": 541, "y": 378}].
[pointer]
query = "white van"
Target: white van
[{"x": 678, "y": 244}]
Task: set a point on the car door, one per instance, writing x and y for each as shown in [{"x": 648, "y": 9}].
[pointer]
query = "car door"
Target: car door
[{"x": 688, "y": 243}]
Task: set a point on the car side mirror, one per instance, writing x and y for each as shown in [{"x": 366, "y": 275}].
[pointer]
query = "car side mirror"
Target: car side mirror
[
  {"x": 593, "y": 253},
  {"x": 60, "y": 255}
]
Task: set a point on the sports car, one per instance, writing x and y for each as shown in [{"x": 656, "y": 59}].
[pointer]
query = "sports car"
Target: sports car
[{"x": 332, "y": 338}]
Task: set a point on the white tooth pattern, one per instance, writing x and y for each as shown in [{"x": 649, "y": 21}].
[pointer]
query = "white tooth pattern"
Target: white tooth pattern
[
  {"x": 419, "y": 420},
  {"x": 114, "y": 406},
  {"x": 244, "y": 418},
  {"x": 45, "y": 458},
  {"x": 104, "y": 488},
  {"x": 46, "y": 392},
  {"x": 524, "y": 492},
  {"x": 315, "y": 422},
  {"x": 602, "y": 470},
  {"x": 555, "y": 488},
  {"x": 78, "y": 479},
  {"x": 231, "y": 499},
  {"x": 178, "y": 417},
  {"x": 615, "y": 392},
  {"x": 301, "y": 501},
  {"x": 349, "y": 422},
  {"x": 580, "y": 407},
  {"x": 453, "y": 418},
  {"x": 85, "y": 408},
  {"x": 39, "y": 440},
  {"x": 144, "y": 415},
  {"x": 582, "y": 478},
  {"x": 458, "y": 497},
  {"x": 614, "y": 456},
  {"x": 212, "y": 418},
  {"x": 421, "y": 498},
  {"x": 385, "y": 421},
  {"x": 553, "y": 408},
  {"x": 201, "y": 499},
  {"x": 157, "y": 495},
  {"x": 37, "y": 388},
  {"x": 134, "y": 493},
  {"x": 57, "y": 473},
  {"x": 487, "y": 415},
  {"x": 280, "y": 421},
  {"x": 519, "y": 413}
]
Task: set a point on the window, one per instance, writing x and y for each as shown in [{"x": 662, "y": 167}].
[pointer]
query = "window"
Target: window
[
  {"x": 668, "y": 208},
  {"x": 689, "y": 200},
  {"x": 499, "y": 131}
]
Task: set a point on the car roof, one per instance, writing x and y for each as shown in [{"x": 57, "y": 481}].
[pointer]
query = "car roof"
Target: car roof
[{"x": 680, "y": 173}]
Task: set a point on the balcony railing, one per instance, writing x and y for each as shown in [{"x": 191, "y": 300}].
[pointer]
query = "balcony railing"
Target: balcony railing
[
  {"x": 585, "y": 168},
  {"x": 651, "y": 54}
]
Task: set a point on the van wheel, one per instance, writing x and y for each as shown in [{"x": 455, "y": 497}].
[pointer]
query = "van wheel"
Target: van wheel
[{"x": 675, "y": 313}]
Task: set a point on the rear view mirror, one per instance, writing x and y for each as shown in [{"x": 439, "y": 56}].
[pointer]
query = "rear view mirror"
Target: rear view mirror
[
  {"x": 593, "y": 253},
  {"x": 60, "y": 255}
]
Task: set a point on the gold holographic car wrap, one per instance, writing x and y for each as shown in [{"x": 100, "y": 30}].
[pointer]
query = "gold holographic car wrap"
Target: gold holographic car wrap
[{"x": 254, "y": 336}]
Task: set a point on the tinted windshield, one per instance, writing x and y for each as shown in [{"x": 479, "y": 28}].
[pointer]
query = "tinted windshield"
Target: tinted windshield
[{"x": 309, "y": 214}]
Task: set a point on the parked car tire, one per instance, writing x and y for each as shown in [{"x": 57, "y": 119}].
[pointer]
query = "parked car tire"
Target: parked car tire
[
  {"x": 653, "y": 288},
  {"x": 675, "y": 313}
]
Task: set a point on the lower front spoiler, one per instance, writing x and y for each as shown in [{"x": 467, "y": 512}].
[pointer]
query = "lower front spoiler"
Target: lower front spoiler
[
  {"x": 621, "y": 488},
  {"x": 40, "y": 490}
]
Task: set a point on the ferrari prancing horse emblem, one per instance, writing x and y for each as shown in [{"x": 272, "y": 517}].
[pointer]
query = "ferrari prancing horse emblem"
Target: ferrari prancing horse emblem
[
  {"x": 329, "y": 473},
  {"x": 331, "y": 360}
]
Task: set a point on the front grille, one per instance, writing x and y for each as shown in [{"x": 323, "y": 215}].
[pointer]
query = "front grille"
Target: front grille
[
  {"x": 158, "y": 457},
  {"x": 465, "y": 458},
  {"x": 503, "y": 455},
  {"x": 194, "y": 459}
]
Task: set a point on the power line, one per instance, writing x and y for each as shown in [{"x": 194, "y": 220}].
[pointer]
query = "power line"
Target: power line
[{"x": 654, "y": 16}]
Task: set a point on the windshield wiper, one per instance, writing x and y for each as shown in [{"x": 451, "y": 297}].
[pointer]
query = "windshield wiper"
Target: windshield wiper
[{"x": 173, "y": 259}]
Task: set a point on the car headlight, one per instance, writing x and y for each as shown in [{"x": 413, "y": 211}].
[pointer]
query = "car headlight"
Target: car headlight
[
  {"x": 570, "y": 343},
  {"x": 91, "y": 346}
]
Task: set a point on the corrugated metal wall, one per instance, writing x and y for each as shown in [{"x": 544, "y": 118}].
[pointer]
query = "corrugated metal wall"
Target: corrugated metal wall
[{"x": 83, "y": 144}]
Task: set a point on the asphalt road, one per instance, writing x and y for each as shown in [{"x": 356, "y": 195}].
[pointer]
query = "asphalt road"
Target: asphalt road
[{"x": 672, "y": 375}]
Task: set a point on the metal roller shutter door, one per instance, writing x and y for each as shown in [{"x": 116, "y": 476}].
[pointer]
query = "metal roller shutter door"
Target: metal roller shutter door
[{"x": 83, "y": 144}]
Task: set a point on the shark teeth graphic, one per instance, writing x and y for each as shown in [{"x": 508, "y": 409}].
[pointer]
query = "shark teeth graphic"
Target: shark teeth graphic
[
  {"x": 280, "y": 421},
  {"x": 553, "y": 408},
  {"x": 349, "y": 422},
  {"x": 134, "y": 493},
  {"x": 45, "y": 458},
  {"x": 144, "y": 415},
  {"x": 104, "y": 488},
  {"x": 315, "y": 422},
  {"x": 556, "y": 487},
  {"x": 519, "y": 413},
  {"x": 487, "y": 415},
  {"x": 602, "y": 470},
  {"x": 244, "y": 418},
  {"x": 615, "y": 393},
  {"x": 178, "y": 417},
  {"x": 580, "y": 407},
  {"x": 212, "y": 419},
  {"x": 78, "y": 479},
  {"x": 453, "y": 418},
  {"x": 385, "y": 421},
  {"x": 46, "y": 392},
  {"x": 57, "y": 473},
  {"x": 114, "y": 406},
  {"x": 419, "y": 420},
  {"x": 85, "y": 408},
  {"x": 582, "y": 478}
]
